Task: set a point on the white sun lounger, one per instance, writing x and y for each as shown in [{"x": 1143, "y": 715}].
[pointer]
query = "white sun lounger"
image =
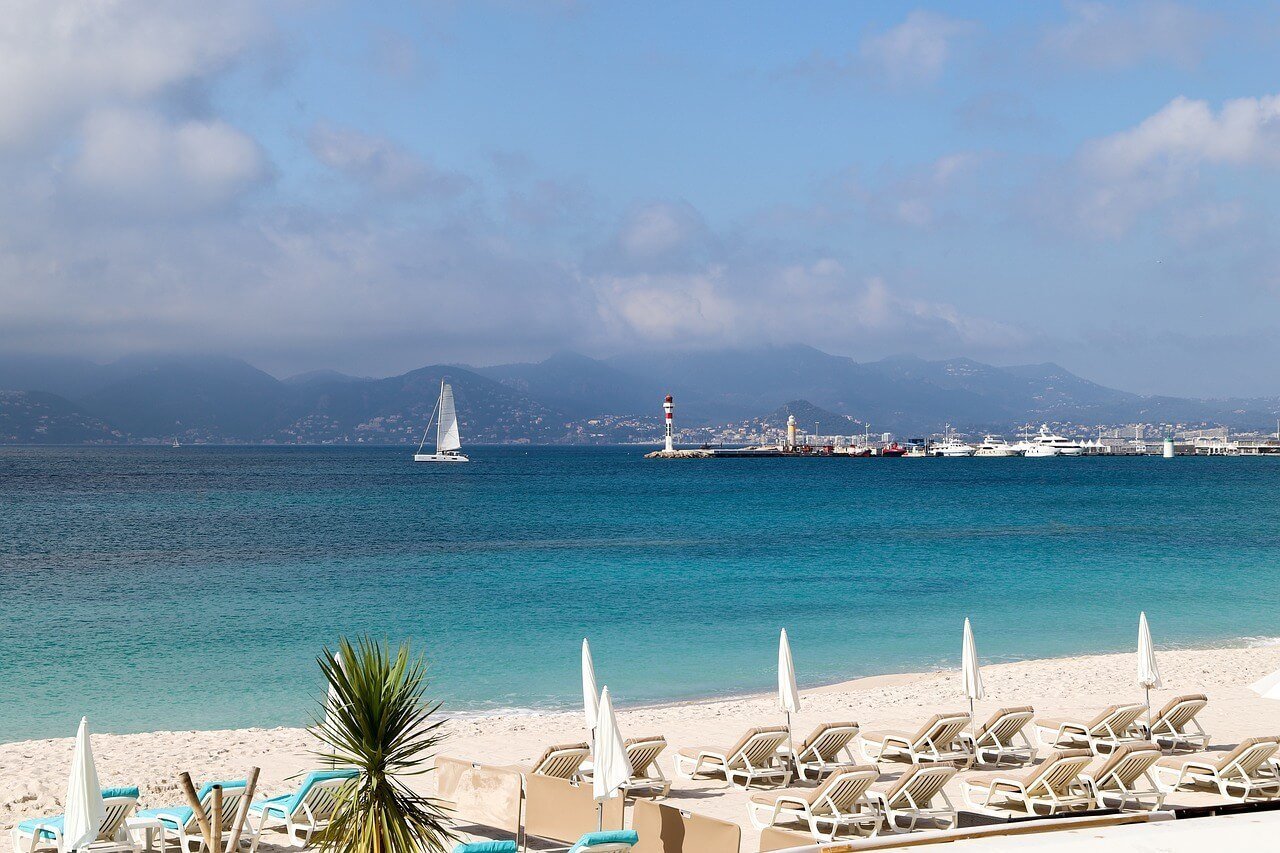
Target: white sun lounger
[
  {"x": 1111, "y": 727},
  {"x": 563, "y": 761},
  {"x": 826, "y": 750},
  {"x": 838, "y": 803},
  {"x": 301, "y": 814},
  {"x": 1119, "y": 775},
  {"x": 646, "y": 773},
  {"x": 915, "y": 797},
  {"x": 939, "y": 739},
  {"x": 755, "y": 756},
  {"x": 45, "y": 833},
  {"x": 1175, "y": 725},
  {"x": 1052, "y": 787},
  {"x": 998, "y": 738},
  {"x": 1246, "y": 769}
]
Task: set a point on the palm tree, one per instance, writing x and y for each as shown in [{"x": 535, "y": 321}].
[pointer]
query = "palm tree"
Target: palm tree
[{"x": 378, "y": 723}]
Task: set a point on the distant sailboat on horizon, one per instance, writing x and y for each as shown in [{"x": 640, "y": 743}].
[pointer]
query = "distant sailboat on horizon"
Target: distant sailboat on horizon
[{"x": 448, "y": 442}]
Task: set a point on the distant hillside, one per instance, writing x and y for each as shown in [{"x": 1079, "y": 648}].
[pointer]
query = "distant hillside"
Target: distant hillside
[
  {"x": 35, "y": 417},
  {"x": 811, "y": 419},
  {"x": 569, "y": 398},
  {"x": 579, "y": 386}
]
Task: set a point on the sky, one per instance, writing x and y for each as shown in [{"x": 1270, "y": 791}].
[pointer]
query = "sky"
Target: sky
[{"x": 374, "y": 187}]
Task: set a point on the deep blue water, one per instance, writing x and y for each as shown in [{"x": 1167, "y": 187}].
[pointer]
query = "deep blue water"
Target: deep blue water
[{"x": 193, "y": 588}]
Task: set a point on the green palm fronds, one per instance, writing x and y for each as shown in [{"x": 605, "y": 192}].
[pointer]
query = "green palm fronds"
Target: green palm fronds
[{"x": 378, "y": 723}]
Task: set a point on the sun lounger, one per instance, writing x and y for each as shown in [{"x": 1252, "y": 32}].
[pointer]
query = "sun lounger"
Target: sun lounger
[
  {"x": 1110, "y": 728},
  {"x": 1247, "y": 768},
  {"x": 914, "y": 797},
  {"x": 563, "y": 761},
  {"x": 1175, "y": 726},
  {"x": 487, "y": 847},
  {"x": 937, "y": 740},
  {"x": 838, "y": 803},
  {"x": 997, "y": 738},
  {"x": 45, "y": 833},
  {"x": 178, "y": 824},
  {"x": 303, "y": 812},
  {"x": 1120, "y": 774},
  {"x": 1051, "y": 787},
  {"x": 822, "y": 751},
  {"x": 754, "y": 756},
  {"x": 642, "y": 755}
]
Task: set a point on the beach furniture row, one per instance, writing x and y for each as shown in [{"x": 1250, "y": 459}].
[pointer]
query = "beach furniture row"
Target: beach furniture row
[{"x": 298, "y": 815}]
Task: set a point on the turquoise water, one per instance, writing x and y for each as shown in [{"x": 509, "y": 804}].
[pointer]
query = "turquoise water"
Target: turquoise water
[{"x": 193, "y": 588}]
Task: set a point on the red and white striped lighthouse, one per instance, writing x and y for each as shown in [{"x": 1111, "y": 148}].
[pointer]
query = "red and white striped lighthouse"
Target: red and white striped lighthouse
[{"x": 669, "y": 407}]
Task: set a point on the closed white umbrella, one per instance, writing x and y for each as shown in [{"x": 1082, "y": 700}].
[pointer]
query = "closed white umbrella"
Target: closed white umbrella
[
  {"x": 970, "y": 672},
  {"x": 1148, "y": 671},
  {"x": 610, "y": 768},
  {"x": 788, "y": 694},
  {"x": 85, "y": 810},
  {"x": 590, "y": 694}
]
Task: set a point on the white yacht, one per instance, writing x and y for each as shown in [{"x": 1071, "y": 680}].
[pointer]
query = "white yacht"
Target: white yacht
[
  {"x": 1060, "y": 445},
  {"x": 448, "y": 442},
  {"x": 995, "y": 446},
  {"x": 951, "y": 446}
]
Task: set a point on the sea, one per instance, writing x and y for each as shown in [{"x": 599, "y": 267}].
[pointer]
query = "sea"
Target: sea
[{"x": 190, "y": 588}]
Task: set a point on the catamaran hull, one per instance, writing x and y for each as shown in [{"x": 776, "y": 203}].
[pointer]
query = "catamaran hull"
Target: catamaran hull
[{"x": 439, "y": 457}]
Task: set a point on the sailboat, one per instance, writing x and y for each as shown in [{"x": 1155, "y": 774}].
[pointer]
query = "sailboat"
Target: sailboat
[{"x": 448, "y": 443}]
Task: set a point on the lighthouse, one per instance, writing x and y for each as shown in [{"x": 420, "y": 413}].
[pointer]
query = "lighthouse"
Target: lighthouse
[
  {"x": 791, "y": 432},
  {"x": 669, "y": 408}
]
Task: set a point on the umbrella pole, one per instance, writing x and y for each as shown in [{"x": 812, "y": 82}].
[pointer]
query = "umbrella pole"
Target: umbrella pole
[
  {"x": 599, "y": 815},
  {"x": 973, "y": 727},
  {"x": 1148, "y": 690},
  {"x": 791, "y": 747}
]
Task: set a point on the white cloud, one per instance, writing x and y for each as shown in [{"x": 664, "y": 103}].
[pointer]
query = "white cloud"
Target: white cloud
[
  {"x": 1158, "y": 165},
  {"x": 380, "y": 163},
  {"x": 1186, "y": 133},
  {"x": 61, "y": 59},
  {"x": 1101, "y": 36},
  {"x": 917, "y": 50},
  {"x": 148, "y": 162}
]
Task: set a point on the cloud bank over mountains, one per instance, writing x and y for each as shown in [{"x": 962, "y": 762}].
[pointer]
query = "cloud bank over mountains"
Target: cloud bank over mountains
[{"x": 308, "y": 187}]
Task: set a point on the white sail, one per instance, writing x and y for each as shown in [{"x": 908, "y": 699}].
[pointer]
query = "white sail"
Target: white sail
[{"x": 447, "y": 427}]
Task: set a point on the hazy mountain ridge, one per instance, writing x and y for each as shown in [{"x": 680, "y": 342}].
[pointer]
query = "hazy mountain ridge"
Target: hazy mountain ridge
[{"x": 567, "y": 398}]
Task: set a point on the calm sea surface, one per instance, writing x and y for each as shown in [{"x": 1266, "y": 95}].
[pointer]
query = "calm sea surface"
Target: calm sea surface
[{"x": 188, "y": 588}]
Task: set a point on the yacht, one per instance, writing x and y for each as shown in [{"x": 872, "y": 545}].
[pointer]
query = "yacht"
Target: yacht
[
  {"x": 1060, "y": 445},
  {"x": 951, "y": 446},
  {"x": 995, "y": 446},
  {"x": 448, "y": 442}
]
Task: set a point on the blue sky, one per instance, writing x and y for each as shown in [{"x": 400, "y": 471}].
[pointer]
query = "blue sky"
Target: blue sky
[{"x": 373, "y": 187}]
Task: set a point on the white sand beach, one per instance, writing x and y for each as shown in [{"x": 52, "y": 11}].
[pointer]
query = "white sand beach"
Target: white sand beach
[{"x": 33, "y": 773}]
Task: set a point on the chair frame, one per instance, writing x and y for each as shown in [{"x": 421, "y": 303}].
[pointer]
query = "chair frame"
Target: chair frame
[
  {"x": 188, "y": 837},
  {"x": 998, "y": 740},
  {"x": 916, "y": 811},
  {"x": 1236, "y": 773},
  {"x": 934, "y": 744},
  {"x": 1057, "y": 785},
  {"x": 566, "y": 762},
  {"x": 809, "y": 759},
  {"x": 1112, "y": 781},
  {"x": 118, "y": 810},
  {"x": 792, "y": 807},
  {"x": 1077, "y": 733},
  {"x": 1166, "y": 727},
  {"x": 314, "y": 817},
  {"x": 751, "y": 761}
]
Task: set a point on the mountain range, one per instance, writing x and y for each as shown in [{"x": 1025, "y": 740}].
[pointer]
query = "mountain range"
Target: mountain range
[{"x": 567, "y": 398}]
